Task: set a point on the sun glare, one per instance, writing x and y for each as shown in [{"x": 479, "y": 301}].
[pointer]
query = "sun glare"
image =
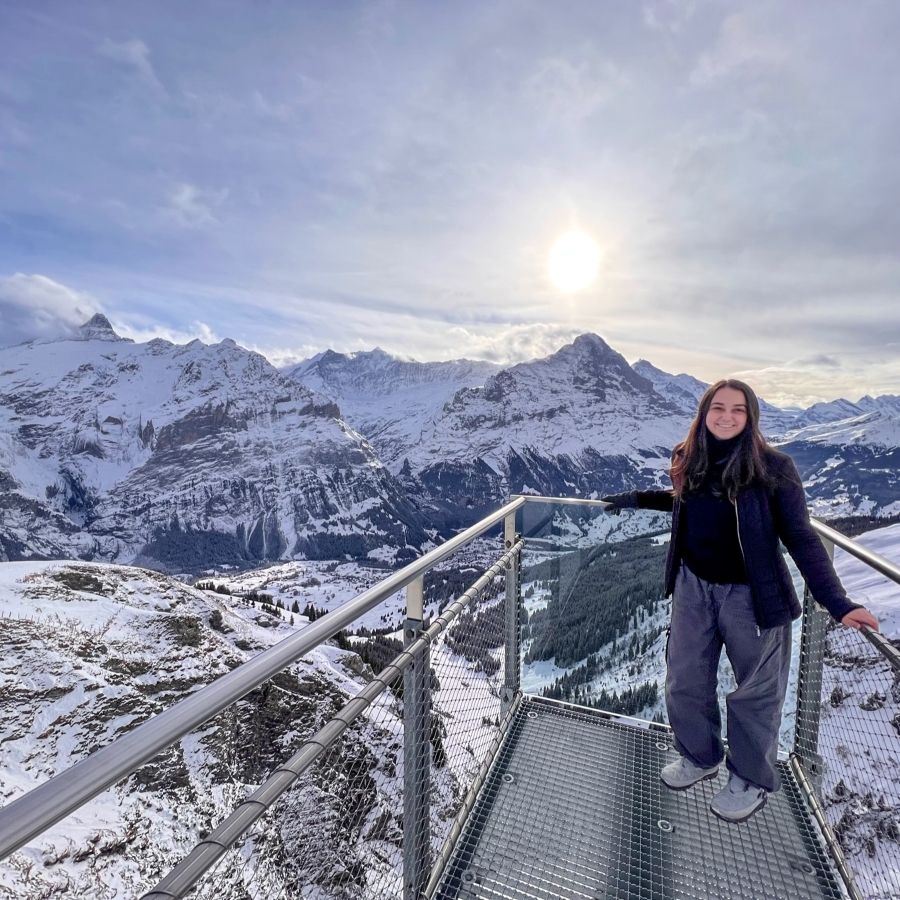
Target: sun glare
[{"x": 574, "y": 261}]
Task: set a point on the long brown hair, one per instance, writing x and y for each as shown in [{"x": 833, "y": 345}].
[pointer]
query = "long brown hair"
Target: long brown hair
[{"x": 690, "y": 459}]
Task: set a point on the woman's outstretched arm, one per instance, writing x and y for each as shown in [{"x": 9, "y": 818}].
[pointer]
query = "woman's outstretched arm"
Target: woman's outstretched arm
[{"x": 808, "y": 551}]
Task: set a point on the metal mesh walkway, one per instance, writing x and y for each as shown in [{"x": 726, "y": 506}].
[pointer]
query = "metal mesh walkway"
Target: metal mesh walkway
[{"x": 574, "y": 809}]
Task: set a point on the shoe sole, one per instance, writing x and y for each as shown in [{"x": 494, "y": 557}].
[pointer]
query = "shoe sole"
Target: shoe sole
[
  {"x": 684, "y": 787},
  {"x": 736, "y": 821}
]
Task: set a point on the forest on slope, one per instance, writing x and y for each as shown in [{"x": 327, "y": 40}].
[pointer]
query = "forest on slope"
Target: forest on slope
[{"x": 594, "y": 596}]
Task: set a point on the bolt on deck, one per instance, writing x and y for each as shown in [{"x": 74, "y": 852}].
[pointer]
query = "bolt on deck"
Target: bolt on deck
[{"x": 574, "y": 810}]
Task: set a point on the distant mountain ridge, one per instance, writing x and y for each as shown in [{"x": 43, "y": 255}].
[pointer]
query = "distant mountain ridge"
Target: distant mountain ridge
[
  {"x": 514, "y": 434},
  {"x": 390, "y": 400},
  {"x": 180, "y": 457}
]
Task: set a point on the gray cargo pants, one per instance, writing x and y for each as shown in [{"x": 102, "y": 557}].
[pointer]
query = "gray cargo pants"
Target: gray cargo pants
[{"x": 705, "y": 617}]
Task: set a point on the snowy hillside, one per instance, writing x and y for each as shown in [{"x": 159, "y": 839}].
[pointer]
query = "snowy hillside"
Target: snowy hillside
[
  {"x": 851, "y": 465},
  {"x": 180, "y": 457},
  {"x": 860, "y": 727},
  {"x": 90, "y": 650}
]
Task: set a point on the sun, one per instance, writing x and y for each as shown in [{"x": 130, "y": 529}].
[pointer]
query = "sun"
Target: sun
[{"x": 574, "y": 261}]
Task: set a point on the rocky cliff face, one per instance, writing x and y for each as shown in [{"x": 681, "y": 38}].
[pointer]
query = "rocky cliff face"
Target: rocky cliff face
[
  {"x": 182, "y": 457},
  {"x": 579, "y": 421}
]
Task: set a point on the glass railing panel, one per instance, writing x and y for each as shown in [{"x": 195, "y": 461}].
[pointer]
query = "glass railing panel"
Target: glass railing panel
[{"x": 594, "y": 616}]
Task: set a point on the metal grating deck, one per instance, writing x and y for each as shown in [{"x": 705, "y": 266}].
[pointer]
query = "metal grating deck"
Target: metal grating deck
[{"x": 572, "y": 811}]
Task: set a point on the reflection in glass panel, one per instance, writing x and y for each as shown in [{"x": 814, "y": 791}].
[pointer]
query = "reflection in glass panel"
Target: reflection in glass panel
[{"x": 595, "y": 621}]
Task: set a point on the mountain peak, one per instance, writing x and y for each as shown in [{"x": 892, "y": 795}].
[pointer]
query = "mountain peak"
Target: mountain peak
[
  {"x": 98, "y": 328},
  {"x": 589, "y": 339}
]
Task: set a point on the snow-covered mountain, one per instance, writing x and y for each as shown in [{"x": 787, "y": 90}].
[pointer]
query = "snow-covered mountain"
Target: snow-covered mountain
[
  {"x": 851, "y": 465},
  {"x": 388, "y": 399},
  {"x": 579, "y": 421},
  {"x": 841, "y": 410},
  {"x": 848, "y": 455},
  {"x": 685, "y": 391},
  {"x": 579, "y": 405},
  {"x": 180, "y": 457}
]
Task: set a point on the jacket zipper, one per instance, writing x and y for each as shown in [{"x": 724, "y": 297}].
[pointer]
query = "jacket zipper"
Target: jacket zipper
[{"x": 737, "y": 519}]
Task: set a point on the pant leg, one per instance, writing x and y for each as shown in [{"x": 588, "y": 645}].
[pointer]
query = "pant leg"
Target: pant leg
[
  {"x": 692, "y": 658},
  {"x": 761, "y": 662}
]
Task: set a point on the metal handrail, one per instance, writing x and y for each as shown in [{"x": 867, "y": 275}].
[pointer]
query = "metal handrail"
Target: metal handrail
[
  {"x": 208, "y": 852},
  {"x": 565, "y": 501},
  {"x": 883, "y": 646},
  {"x": 47, "y": 804}
]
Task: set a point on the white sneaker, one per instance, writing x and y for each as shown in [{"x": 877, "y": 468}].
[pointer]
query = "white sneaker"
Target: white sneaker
[
  {"x": 682, "y": 774},
  {"x": 738, "y": 800}
]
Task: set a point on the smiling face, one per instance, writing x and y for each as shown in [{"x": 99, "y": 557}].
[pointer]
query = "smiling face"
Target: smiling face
[{"x": 727, "y": 415}]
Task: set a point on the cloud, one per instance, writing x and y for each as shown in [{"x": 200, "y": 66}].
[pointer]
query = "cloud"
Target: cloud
[
  {"x": 739, "y": 46},
  {"x": 511, "y": 344},
  {"x": 803, "y": 382},
  {"x": 267, "y": 109},
  {"x": 34, "y": 306},
  {"x": 672, "y": 14},
  {"x": 282, "y": 357},
  {"x": 192, "y": 207},
  {"x": 147, "y": 331},
  {"x": 134, "y": 56},
  {"x": 572, "y": 93}
]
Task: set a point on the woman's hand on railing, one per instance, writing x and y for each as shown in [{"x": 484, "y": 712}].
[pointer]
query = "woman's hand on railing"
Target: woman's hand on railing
[
  {"x": 616, "y": 503},
  {"x": 856, "y": 618}
]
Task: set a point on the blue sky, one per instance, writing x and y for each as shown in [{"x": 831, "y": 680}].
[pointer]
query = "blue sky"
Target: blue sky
[{"x": 302, "y": 175}]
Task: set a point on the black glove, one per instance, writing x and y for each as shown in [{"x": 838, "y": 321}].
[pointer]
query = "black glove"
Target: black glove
[
  {"x": 613, "y": 509},
  {"x": 618, "y": 502}
]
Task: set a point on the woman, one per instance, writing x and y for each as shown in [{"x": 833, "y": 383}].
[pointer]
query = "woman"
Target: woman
[{"x": 734, "y": 497}]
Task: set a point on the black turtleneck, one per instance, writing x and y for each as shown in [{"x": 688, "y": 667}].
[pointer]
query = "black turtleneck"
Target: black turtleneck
[{"x": 709, "y": 536}]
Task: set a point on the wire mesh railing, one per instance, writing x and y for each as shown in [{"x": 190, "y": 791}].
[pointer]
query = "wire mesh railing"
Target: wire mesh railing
[
  {"x": 859, "y": 780},
  {"x": 397, "y": 745},
  {"x": 338, "y": 828}
]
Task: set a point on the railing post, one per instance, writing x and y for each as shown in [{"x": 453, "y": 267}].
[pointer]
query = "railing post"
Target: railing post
[
  {"x": 416, "y": 751},
  {"x": 513, "y": 636},
  {"x": 809, "y": 683}
]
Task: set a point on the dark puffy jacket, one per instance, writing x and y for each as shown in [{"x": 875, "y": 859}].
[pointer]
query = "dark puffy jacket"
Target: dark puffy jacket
[{"x": 765, "y": 516}]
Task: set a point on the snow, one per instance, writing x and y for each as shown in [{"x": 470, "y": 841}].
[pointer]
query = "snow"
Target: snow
[
  {"x": 115, "y": 439},
  {"x": 122, "y": 605}
]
